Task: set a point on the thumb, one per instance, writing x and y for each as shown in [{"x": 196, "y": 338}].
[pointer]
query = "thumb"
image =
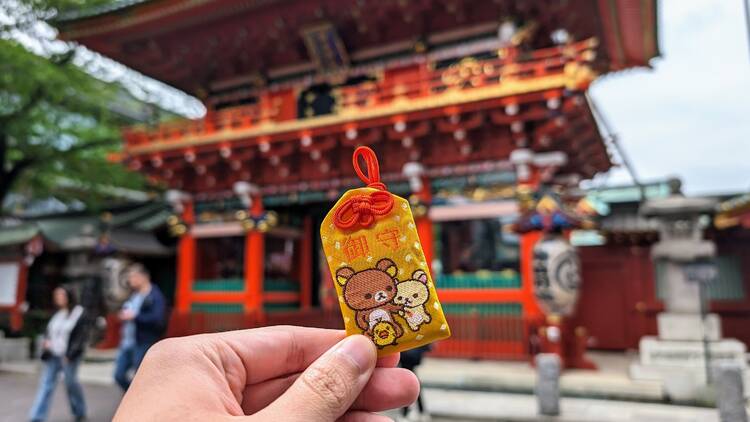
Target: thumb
[{"x": 328, "y": 387}]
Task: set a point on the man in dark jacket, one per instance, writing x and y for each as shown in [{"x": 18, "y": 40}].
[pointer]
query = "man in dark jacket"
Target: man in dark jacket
[{"x": 143, "y": 318}]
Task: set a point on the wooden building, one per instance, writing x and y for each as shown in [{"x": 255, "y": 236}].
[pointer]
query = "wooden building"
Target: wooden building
[
  {"x": 622, "y": 286},
  {"x": 83, "y": 250},
  {"x": 445, "y": 91}
]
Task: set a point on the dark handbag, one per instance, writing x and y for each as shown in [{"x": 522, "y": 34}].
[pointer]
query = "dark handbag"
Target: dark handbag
[{"x": 46, "y": 355}]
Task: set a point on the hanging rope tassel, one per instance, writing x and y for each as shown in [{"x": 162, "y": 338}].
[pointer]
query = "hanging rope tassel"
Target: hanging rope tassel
[{"x": 362, "y": 210}]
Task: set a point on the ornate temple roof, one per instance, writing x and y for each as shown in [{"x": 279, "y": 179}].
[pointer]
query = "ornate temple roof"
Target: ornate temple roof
[
  {"x": 456, "y": 120},
  {"x": 293, "y": 87},
  {"x": 734, "y": 212},
  {"x": 101, "y": 9},
  {"x": 128, "y": 229},
  {"x": 201, "y": 45}
]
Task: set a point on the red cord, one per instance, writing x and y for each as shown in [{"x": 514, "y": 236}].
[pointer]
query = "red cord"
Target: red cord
[
  {"x": 363, "y": 209},
  {"x": 372, "y": 179}
]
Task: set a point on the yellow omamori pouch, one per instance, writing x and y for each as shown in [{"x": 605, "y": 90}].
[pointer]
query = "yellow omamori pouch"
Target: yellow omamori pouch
[{"x": 381, "y": 276}]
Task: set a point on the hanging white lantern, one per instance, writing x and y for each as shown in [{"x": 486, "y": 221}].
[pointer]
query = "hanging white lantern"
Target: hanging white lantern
[{"x": 557, "y": 276}]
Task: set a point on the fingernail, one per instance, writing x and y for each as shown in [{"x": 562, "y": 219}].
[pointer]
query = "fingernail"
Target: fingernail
[{"x": 360, "y": 350}]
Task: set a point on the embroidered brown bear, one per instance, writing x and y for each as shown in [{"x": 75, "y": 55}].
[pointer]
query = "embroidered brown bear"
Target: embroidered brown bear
[{"x": 370, "y": 293}]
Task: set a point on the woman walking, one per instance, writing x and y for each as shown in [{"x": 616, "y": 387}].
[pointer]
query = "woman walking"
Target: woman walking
[{"x": 63, "y": 347}]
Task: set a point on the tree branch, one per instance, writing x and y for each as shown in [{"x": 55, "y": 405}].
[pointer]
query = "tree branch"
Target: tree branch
[
  {"x": 18, "y": 167},
  {"x": 87, "y": 145},
  {"x": 3, "y": 151},
  {"x": 61, "y": 60},
  {"x": 34, "y": 99},
  {"x": 11, "y": 176}
]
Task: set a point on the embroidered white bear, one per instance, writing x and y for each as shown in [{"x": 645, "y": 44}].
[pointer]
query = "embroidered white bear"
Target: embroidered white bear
[{"x": 412, "y": 294}]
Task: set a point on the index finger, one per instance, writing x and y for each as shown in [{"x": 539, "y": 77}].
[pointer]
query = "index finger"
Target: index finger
[
  {"x": 271, "y": 352},
  {"x": 277, "y": 351}
]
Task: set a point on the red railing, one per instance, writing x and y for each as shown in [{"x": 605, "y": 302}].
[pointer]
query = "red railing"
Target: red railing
[
  {"x": 466, "y": 74},
  {"x": 473, "y": 336},
  {"x": 205, "y": 322},
  {"x": 489, "y": 337},
  {"x": 214, "y": 121},
  {"x": 426, "y": 81}
]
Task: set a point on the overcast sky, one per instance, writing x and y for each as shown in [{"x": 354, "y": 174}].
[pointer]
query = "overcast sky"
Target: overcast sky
[{"x": 689, "y": 116}]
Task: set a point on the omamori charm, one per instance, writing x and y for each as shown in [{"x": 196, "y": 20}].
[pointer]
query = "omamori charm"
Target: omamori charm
[{"x": 382, "y": 278}]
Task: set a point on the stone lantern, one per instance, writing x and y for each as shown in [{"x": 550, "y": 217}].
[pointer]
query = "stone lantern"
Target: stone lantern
[
  {"x": 689, "y": 338},
  {"x": 681, "y": 245}
]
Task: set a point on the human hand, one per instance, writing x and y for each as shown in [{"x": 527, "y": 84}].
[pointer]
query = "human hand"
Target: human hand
[
  {"x": 126, "y": 315},
  {"x": 271, "y": 373}
]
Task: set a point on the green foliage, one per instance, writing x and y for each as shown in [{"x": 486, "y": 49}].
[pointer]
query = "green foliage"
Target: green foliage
[{"x": 54, "y": 122}]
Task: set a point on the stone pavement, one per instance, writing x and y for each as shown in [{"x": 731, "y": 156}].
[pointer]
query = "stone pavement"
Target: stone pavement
[
  {"x": 610, "y": 381},
  {"x": 95, "y": 373},
  {"x": 17, "y": 392},
  {"x": 459, "y": 390},
  {"x": 476, "y": 405}
]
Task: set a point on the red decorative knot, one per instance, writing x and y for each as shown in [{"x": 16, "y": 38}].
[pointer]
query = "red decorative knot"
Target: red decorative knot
[{"x": 363, "y": 209}]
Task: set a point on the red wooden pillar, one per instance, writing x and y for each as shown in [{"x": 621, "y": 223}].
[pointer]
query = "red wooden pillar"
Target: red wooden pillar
[
  {"x": 254, "y": 262},
  {"x": 530, "y": 183},
  {"x": 305, "y": 264},
  {"x": 424, "y": 223},
  {"x": 533, "y": 317},
  {"x": 186, "y": 249},
  {"x": 16, "y": 312},
  {"x": 209, "y": 120},
  {"x": 528, "y": 241}
]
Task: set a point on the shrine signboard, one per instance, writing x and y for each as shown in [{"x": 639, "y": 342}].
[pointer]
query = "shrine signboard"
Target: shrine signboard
[{"x": 8, "y": 283}]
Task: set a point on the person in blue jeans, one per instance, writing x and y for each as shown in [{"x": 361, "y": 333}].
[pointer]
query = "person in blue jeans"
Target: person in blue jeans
[
  {"x": 143, "y": 318},
  {"x": 63, "y": 347}
]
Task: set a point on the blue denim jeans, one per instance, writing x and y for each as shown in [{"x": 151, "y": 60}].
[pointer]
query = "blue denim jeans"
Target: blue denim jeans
[
  {"x": 52, "y": 368},
  {"x": 128, "y": 358}
]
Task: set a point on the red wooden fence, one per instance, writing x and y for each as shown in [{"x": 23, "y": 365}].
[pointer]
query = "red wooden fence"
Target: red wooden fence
[{"x": 473, "y": 336}]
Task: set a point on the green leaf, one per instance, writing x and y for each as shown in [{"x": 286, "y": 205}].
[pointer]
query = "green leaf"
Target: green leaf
[{"x": 55, "y": 125}]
